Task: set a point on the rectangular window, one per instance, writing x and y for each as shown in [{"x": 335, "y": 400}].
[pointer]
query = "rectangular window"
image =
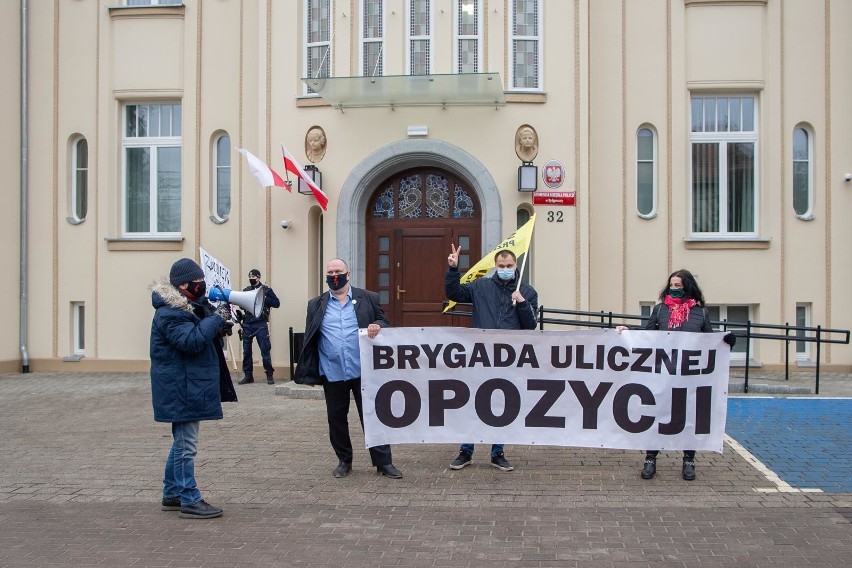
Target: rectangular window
[
  {"x": 372, "y": 38},
  {"x": 78, "y": 326},
  {"x": 151, "y": 144},
  {"x": 419, "y": 37},
  {"x": 733, "y": 318},
  {"x": 803, "y": 318},
  {"x": 317, "y": 39},
  {"x": 525, "y": 45},
  {"x": 468, "y": 36},
  {"x": 724, "y": 159}
]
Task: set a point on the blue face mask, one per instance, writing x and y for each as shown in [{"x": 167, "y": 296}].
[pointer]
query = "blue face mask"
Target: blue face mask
[{"x": 505, "y": 273}]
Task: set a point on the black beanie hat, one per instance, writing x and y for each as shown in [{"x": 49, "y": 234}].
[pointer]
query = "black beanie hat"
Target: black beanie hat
[
  {"x": 254, "y": 272},
  {"x": 183, "y": 271}
]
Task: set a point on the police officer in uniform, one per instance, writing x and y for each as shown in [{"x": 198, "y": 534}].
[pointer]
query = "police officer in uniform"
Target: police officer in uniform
[{"x": 257, "y": 328}]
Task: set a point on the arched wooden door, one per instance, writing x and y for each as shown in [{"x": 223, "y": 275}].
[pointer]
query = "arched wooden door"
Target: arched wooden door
[{"x": 412, "y": 219}]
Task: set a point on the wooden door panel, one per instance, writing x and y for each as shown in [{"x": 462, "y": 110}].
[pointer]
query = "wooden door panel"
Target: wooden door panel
[{"x": 421, "y": 258}]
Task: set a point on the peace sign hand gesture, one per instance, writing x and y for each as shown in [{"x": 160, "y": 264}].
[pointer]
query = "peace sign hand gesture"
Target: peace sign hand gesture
[{"x": 453, "y": 259}]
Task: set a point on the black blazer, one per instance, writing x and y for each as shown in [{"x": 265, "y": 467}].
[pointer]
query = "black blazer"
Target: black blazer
[{"x": 367, "y": 311}]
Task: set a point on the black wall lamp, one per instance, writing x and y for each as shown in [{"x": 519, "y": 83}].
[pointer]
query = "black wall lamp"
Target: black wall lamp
[
  {"x": 313, "y": 173},
  {"x": 527, "y": 177}
]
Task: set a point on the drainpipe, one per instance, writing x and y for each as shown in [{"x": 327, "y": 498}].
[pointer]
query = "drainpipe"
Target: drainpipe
[{"x": 25, "y": 358}]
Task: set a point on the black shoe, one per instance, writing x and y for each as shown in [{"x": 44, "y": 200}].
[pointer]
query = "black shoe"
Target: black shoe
[
  {"x": 171, "y": 504},
  {"x": 200, "y": 510},
  {"x": 270, "y": 380},
  {"x": 500, "y": 462},
  {"x": 342, "y": 470},
  {"x": 689, "y": 470},
  {"x": 389, "y": 471},
  {"x": 650, "y": 468},
  {"x": 246, "y": 380},
  {"x": 462, "y": 461}
]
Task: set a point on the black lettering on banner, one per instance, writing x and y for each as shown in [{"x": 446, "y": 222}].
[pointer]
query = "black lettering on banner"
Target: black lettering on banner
[
  {"x": 599, "y": 359},
  {"x": 382, "y": 357},
  {"x": 678, "y": 415},
  {"x": 689, "y": 363},
  {"x": 504, "y": 355},
  {"x": 590, "y": 402},
  {"x": 554, "y": 357},
  {"x": 408, "y": 354},
  {"x": 621, "y": 401},
  {"x": 581, "y": 363},
  {"x": 383, "y": 404},
  {"x": 431, "y": 353},
  {"x": 452, "y": 359},
  {"x": 711, "y": 363},
  {"x": 610, "y": 358},
  {"x": 511, "y": 408},
  {"x": 438, "y": 403},
  {"x": 527, "y": 357},
  {"x": 703, "y": 409},
  {"x": 479, "y": 356},
  {"x": 639, "y": 364},
  {"x": 537, "y": 418},
  {"x": 662, "y": 358}
]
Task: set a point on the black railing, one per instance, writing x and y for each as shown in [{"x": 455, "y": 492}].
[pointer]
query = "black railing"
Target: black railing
[{"x": 743, "y": 330}]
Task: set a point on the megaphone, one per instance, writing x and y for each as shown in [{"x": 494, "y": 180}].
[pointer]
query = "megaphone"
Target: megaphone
[{"x": 251, "y": 302}]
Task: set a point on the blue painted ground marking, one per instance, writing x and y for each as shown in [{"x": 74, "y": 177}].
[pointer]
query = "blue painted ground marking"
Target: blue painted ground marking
[{"x": 807, "y": 442}]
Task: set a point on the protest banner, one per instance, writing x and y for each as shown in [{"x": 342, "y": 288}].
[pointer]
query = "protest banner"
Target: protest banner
[
  {"x": 599, "y": 389},
  {"x": 215, "y": 273}
]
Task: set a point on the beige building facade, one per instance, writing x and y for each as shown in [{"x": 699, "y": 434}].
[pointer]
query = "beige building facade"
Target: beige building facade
[{"x": 713, "y": 135}]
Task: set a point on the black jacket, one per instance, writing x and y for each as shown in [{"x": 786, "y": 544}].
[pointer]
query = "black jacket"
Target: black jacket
[
  {"x": 492, "y": 301},
  {"x": 367, "y": 311},
  {"x": 270, "y": 300},
  {"x": 697, "y": 322}
]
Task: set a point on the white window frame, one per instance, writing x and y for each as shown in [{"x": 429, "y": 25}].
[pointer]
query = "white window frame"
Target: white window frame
[
  {"x": 510, "y": 47},
  {"x": 75, "y": 216},
  {"x": 329, "y": 55},
  {"x": 738, "y": 353},
  {"x": 218, "y": 167},
  {"x": 805, "y": 354},
  {"x": 153, "y": 143},
  {"x": 654, "y": 171},
  {"x": 723, "y": 139},
  {"x": 458, "y": 36},
  {"x": 429, "y": 38},
  {"x": 379, "y": 70},
  {"x": 136, "y": 3},
  {"x": 808, "y": 215},
  {"x": 78, "y": 328}
]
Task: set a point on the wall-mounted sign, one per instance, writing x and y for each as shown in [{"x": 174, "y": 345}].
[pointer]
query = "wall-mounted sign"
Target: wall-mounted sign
[
  {"x": 555, "y": 198},
  {"x": 553, "y": 174}
]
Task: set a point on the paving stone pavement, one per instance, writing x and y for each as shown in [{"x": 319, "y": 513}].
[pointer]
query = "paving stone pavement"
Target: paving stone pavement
[{"x": 82, "y": 459}]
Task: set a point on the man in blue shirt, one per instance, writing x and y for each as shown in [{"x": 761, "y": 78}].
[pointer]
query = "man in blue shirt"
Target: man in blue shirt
[{"x": 331, "y": 357}]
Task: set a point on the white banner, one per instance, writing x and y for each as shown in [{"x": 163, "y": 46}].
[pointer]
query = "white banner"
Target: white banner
[
  {"x": 215, "y": 273},
  {"x": 599, "y": 389}
]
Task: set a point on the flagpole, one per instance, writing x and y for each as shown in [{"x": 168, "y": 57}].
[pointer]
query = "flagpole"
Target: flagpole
[{"x": 524, "y": 263}]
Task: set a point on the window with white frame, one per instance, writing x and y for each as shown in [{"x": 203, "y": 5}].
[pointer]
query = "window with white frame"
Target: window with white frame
[
  {"x": 468, "y": 36},
  {"x": 646, "y": 172},
  {"x": 724, "y": 166},
  {"x": 525, "y": 44},
  {"x": 372, "y": 38},
  {"x": 222, "y": 176},
  {"x": 803, "y": 319},
  {"x": 151, "y": 145},
  {"x": 318, "y": 33},
  {"x": 153, "y": 2},
  {"x": 79, "y": 179},
  {"x": 803, "y": 173},
  {"x": 419, "y": 37},
  {"x": 733, "y": 318},
  {"x": 78, "y": 328}
]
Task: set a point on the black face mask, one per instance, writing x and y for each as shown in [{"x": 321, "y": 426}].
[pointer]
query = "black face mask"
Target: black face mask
[
  {"x": 253, "y": 282},
  {"x": 197, "y": 289},
  {"x": 336, "y": 281}
]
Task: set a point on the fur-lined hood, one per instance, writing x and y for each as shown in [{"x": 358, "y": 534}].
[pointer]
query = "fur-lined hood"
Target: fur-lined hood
[{"x": 164, "y": 294}]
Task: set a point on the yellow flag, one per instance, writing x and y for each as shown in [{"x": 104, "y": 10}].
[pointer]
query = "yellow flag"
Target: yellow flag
[{"x": 518, "y": 242}]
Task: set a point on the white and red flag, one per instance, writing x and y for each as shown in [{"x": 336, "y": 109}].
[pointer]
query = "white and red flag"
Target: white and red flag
[
  {"x": 264, "y": 175},
  {"x": 295, "y": 168}
]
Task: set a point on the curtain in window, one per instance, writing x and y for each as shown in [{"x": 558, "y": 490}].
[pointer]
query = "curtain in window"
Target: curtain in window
[
  {"x": 168, "y": 190},
  {"x": 705, "y": 187},
  {"x": 741, "y": 187},
  {"x": 138, "y": 206}
]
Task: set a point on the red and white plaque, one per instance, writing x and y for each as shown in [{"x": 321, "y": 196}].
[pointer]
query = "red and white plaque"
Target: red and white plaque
[
  {"x": 553, "y": 174},
  {"x": 555, "y": 198}
]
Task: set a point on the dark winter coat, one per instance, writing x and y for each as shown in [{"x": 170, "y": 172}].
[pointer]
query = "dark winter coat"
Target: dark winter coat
[
  {"x": 697, "y": 322},
  {"x": 367, "y": 311},
  {"x": 270, "y": 300},
  {"x": 492, "y": 301},
  {"x": 185, "y": 373}
]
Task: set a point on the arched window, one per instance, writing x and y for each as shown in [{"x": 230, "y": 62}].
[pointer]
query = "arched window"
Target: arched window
[
  {"x": 803, "y": 171},
  {"x": 222, "y": 178},
  {"x": 79, "y": 203},
  {"x": 646, "y": 173}
]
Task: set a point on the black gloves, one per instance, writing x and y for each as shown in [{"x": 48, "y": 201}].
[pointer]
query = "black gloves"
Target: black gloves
[
  {"x": 730, "y": 339},
  {"x": 228, "y": 328}
]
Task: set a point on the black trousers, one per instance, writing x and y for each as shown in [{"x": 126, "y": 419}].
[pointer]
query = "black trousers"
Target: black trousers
[
  {"x": 687, "y": 454},
  {"x": 337, "y": 406}
]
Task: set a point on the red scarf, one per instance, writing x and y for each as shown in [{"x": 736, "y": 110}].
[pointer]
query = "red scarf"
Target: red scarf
[{"x": 678, "y": 310}]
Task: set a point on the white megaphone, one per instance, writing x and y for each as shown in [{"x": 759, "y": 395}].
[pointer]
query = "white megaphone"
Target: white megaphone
[{"x": 251, "y": 302}]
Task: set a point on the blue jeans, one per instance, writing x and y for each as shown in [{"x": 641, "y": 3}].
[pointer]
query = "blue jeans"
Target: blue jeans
[
  {"x": 496, "y": 449},
  {"x": 179, "y": 479}
]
